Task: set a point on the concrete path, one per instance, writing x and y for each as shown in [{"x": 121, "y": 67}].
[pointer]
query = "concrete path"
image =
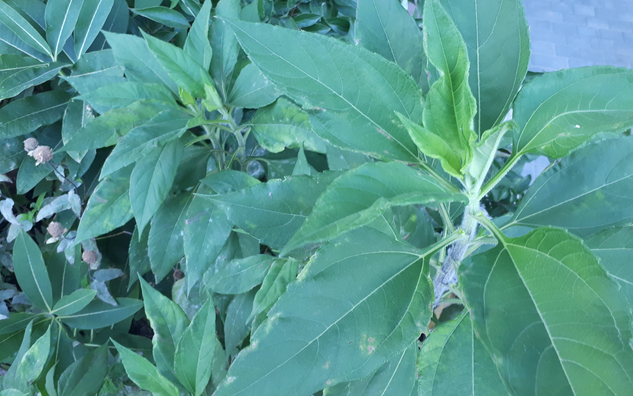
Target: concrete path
[{"x": 575, "y": 33}]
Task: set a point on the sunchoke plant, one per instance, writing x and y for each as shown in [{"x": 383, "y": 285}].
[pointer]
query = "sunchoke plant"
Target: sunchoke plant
[{"x": 308, "y": 197}]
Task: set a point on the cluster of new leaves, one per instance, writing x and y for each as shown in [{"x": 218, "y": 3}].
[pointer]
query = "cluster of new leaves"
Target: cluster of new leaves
[{"x": 288, "y": 198}]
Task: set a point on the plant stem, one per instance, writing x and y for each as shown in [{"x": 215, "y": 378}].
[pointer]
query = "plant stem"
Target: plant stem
[
  {"x": 514, "y": 158},
  {"x": 447, "y": 275}
]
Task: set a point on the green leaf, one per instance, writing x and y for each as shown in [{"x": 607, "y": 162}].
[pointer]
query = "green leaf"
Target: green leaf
[
  {"x": 274, "y": 211},
  {"x": 281, "y": 274},
  {"x": 237, "y": 323},
  {"x": 74, "y": 302},
  {"x": 229, "y": 181},
  {"x": 31, "y": 272},
  {"x": 94, "y": 70},
  {"x": 386, "y": 28},
  {"x": 86, "y": 375},
  {"x": 181, "y": 67},
  {"x": 124, "y": 94},
  {"x": 195, "y": 351},
  {"x": 240, "y": 275},
  {"x": 163, "y": 128},
  {"x": 283, "y": 124},
  {"x": 498, "y": 42},
  {"x": 252, "y": 90},
  {"x": 353, "y": 93},
  {"x": 206, "y": 230},
  {"x": 614, "y": 248},
  {"x": 450, "y": 106},
  {"x": 27, "y": 114},
  {"x": 338, "y": 159},
  {"x": 108, "y": 208},
  {"x": 164, "y": 15},
  {"x": 23, "y": 29},
  {"x": 144, "y": 374},
  {"x": 76, "y": 117},
  {"x": 29, "y": 365},
  {"x": 152, "y": 179},
  {"x": 105, "y": 130},
  {"x": 98, "y": 314},
  {"x": 361, "y": 195},
  {"x": 166, "y": 246},
  {"x": 139, "y": 62},
  {"x": 362, "y": 327},
  {"x": 30, "y": 173},
  {"x": 560, "y": 111},
  {"x": 453, "y": 361},
  {"x": 61, "y": 17},
  {"x": 224, "y": 44},
  {"x": 586, "y": 192},
  {"x": 394, "y": 378},
  {"x": 18, "y": 73},
  {"x": 168, "y": 322},
  {"x": 197, "y": 44},
  {"x": 91, "y": 19},
  {"x": 138, "y": 256},
  {"x": 550, "y": 315}
]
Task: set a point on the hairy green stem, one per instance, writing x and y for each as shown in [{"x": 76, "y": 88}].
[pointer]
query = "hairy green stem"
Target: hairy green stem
[{"x": 500, "y": 175}]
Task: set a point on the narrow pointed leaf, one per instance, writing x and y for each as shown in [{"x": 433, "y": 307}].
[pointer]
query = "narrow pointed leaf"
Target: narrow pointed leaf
[
  {"x": 194, "y": 355},
  {"x": 144, "y": 374},
  {"x": 125, "y": 94},
  {"x": 31, "y": 364},
  {"x": 74, "y": 302},
  {"x": 224, "y": 44},
  {"x": 453, "y": 361},
  {"x": 152, "y": 179},
  {"x": 164, "y": 15},
  {"x": 23, "y": 29},
  {"x": 61, "y": 17},
  {"x": 557, "y": 324},
  {"x": 91, "y": 19},
  {"x": 168, "y": 322},
  {"x": 140, "y": 64},
  {"x": 450, "y": 106},
  {"x": 31, "y": 272},
  {"x": 98, "y": 314},
  {"x": 166, "y": 245},
  {"x": 561, "y": 111},
  {"x": 499, "y": 53},
  {"x": 18, "y": 73},
  {"x": 362, "y": 327},
  {"x": 163, "y": 128},
  {"x": 361, "y": 195},
  {"x": 27, "y": 114},
  {"x": 86, "y": 375},
  {"x": 108, "y": 208},
  {"x": 181, "y": 67},
  {"x": 321, "y": 74},
  {"x": 197, "y": 44},
  {"x": 279, "y": 276}
]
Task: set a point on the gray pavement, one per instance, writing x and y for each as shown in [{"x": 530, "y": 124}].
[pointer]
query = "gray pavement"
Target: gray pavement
[{"x": 575, "y": 33}]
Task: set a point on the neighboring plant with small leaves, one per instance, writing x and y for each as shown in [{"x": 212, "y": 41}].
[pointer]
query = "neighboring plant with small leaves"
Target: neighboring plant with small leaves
[{"x": 308, "y": 197}]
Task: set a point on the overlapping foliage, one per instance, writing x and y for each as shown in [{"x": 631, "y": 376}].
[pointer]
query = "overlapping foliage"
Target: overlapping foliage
[{"x": 307, "y": 197}]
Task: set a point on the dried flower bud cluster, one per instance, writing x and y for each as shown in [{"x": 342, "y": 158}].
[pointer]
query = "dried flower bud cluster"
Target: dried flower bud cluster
[
  {"x": 55, "y": 229},
  {"x": 30, "y": 144},
  {"x": 90, "y": 256},
  {"x": 42, "y": 154}
]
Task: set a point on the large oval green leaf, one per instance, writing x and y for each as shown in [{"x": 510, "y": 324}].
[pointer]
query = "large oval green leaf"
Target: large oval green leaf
[
  {"x": 588, "y": 191},
  {"x": 453, "y": 361},
  {"x": 361, "y": 195},
  {"x": 323, "y": 330},
  {"x": 551, "y": 316},
  {"x": 274, "y": 211},
  {"x": 353, "y": 92},
  {"x": 560, "y": 111},
  {"x": 498, "y": 41},
  {"x": 386, "y": 28},
  {"x": 27, "y": 114}
]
